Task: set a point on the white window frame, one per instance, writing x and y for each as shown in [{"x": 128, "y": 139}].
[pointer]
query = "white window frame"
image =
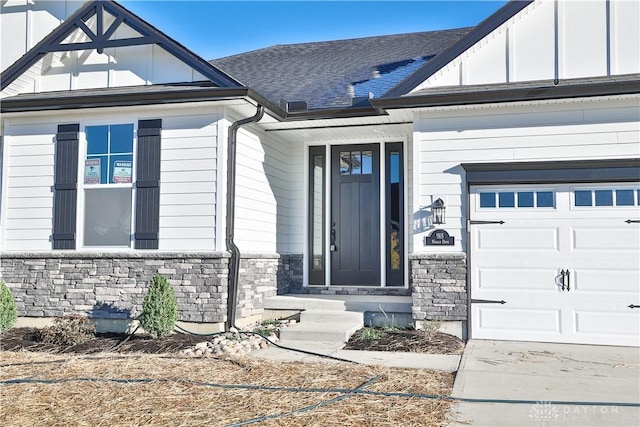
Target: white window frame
[{"x": 80, "y": 208}]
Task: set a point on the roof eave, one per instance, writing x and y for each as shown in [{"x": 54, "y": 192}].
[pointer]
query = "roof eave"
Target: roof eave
[
  {"x": 66, "y": 101},
  {"x": 69, "y": 102},
  {"x": 540, "y": 93}
]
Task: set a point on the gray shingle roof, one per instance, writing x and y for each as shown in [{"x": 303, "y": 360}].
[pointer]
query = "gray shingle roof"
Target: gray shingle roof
[{"x": 327, "y": 74}]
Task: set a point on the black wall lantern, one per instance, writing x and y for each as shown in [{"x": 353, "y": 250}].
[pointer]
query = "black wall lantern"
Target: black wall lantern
[{"x": 437, "y": 211}]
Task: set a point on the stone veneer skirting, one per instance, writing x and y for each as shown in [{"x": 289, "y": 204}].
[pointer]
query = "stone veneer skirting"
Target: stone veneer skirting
[
  {"x": 439, "y": 286},
  {"x": 113, "y": 285}
]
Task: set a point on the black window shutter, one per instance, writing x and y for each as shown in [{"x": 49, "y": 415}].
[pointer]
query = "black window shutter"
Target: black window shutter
[
  {"x": 148, "y": 184},
  {"x": 65, "y": 194}
]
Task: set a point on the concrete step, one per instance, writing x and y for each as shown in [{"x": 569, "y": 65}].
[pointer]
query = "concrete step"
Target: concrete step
[
  {"x": 295, "y": 302},
  {"x": 338, "y": 332},
  {"x": 324, "y": 316}
]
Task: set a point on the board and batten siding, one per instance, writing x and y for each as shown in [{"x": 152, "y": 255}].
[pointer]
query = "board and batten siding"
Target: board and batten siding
[
  {"x": 27, "y": 193},
  {"x": 568, "y": 131},
  {"x": 263, "y": 195},
  {"x": 590, "y": 42},
  {"x": 188, "y": 180},
  {"x": 26, "y": 23}
]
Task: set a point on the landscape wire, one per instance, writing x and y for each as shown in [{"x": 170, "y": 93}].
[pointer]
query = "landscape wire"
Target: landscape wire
[
  {"x": 196, "y": 334},
  {"x": 315, "y": 390},
  {"x": 327, "y": 356},
  {"x": 307, "y": 408}
]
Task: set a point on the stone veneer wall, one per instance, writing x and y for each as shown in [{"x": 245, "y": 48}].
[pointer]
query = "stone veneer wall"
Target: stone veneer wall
[
  {"x": 289, "y": 273},
  {"x": 439, "y": 286},
  {"x": 113, "y": 285}
]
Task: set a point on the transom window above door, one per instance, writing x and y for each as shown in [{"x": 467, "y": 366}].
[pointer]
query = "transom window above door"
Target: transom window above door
[{"x": 356, "y": 162}]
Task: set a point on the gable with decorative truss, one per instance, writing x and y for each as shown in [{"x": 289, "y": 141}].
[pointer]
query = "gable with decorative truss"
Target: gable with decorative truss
[{"x": 104, "y": 45}]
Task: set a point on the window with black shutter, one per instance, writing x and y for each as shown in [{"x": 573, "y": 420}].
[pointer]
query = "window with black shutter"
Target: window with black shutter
[
  {"x": 65, "y": 187},
  {"x": 148, "y": 184}
]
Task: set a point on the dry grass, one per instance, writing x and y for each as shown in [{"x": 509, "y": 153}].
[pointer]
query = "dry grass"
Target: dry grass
[{"x": 180, "y": 391}]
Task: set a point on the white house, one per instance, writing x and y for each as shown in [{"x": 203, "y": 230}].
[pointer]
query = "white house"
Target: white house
[{"x": 491, "y": 173}]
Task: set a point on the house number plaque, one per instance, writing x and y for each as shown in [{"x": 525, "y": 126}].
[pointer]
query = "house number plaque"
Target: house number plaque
[{"x": 438, "y": 238}]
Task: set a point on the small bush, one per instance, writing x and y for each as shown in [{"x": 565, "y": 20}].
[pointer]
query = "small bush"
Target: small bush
[
  {"x": 370, "y": 334},
  {"x": 8, "y": 312},
  {"x": 72, "y": 329},
  {"x": 160, "y": 308}
]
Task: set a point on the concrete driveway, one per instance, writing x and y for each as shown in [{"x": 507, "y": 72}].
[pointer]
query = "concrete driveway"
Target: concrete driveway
[{"x": 557, "y": 384}]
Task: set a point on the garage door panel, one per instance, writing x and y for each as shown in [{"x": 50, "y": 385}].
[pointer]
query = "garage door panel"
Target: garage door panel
[
  {"x": 604, "y": 238},
  {"x": 519, "y": 320},
  {"x": 523, "y": 239},
  {"x": 516, "y": 279},
  {"x": 617, "y": 280},
  {"x": 519, "y": 260},
  {"x": 593, "y": 323}
]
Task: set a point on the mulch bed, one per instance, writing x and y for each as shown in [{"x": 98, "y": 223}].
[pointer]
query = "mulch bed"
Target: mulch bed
[
  {"x": 28, "y": 339},
  {"x": 414, "y": 341}
]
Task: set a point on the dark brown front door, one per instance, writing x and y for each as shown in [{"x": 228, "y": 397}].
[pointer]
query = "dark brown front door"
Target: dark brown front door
[{"x": 355, "y": 215}]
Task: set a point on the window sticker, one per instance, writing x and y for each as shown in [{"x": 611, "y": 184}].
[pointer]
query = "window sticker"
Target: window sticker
[
  {"x": 92, "y": 171},
  {"x": 122, "y": 172}
]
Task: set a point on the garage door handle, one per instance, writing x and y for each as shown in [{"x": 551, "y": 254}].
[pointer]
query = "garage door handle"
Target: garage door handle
[
  {"x": 563, "y": 274},
  {"x": 629, "y": 221},
  {"x": 568, "y": 280}
]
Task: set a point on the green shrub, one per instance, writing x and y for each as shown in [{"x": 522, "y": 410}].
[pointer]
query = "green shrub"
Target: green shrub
[
  {"x": 370, "y": 334},
  {"x": 160, "y": 308},
  {"x": 8, "y": 312},
  {"x": 72, "y": 329}
]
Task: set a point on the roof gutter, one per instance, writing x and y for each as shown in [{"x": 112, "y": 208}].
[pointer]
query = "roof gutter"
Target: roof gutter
[
  {"x": 234, "y": 261},
  {"x": 66, "y": 101},
  {"x": 543, "y": 92}
]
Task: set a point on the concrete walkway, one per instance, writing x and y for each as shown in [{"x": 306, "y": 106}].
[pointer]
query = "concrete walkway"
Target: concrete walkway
[
  {"x": 600, "y": 376},
  {"x": 440, "y": 362}
]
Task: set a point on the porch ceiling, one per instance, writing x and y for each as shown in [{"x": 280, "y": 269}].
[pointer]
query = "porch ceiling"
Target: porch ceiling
[{"x": 397, "y": 125}]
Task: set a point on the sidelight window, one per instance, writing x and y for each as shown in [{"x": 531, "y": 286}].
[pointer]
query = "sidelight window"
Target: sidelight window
[
  {"x": 316, "y": 215},
  {"x": 394, "y": 215}
]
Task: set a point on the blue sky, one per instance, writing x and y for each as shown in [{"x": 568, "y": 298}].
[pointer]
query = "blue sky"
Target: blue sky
[{"x": 214, "y": 29}]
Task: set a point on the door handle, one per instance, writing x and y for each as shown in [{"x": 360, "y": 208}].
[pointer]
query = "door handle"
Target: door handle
[
  {"x": 332, "y": 246},
  {"x": 562, "y": 273},
  {"x": 568, "y": 280}
]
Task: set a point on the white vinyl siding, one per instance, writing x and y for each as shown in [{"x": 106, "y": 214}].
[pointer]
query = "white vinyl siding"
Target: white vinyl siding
[
  {"x": 28, "y": 201},
  {"x": 188, "y": 180},
  {"x": 262, "y": 194},
  {"x": 444, "y": 140},
  {"x": 297, "y": 204}
]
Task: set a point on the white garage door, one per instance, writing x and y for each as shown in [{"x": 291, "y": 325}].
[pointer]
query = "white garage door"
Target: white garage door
[{"x": 565, "y": 259}]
